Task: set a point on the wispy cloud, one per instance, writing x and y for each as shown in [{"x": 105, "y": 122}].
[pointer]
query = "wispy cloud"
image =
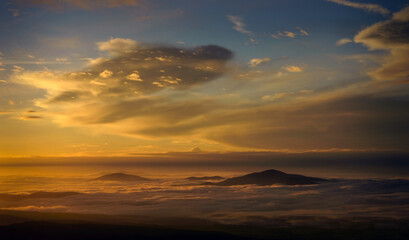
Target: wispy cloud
[
  {"x": 27, "y": 118},
  {"x": 290, "y": 34},
  {"x": 376, "y": 8},
  {"x": 303, "y": 31},
  {"x": 239, "y": 25},
  {"x": 343, "y": 41}
]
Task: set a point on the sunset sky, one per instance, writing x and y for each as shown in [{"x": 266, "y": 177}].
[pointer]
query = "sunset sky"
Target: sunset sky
[{"x": 126, "y": 77}]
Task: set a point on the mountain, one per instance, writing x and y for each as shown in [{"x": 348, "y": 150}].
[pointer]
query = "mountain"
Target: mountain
[
  {"x": 204, "y": 178},
  {"x": 121, "y": 177},
  {"x": 269, "y": 177}
]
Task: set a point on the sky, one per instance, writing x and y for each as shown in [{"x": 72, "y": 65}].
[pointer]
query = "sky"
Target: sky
[{"x": 128, "y": 77}]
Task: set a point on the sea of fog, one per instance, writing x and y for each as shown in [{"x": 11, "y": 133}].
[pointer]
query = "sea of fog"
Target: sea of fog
[{"x": 170, "y": 194}]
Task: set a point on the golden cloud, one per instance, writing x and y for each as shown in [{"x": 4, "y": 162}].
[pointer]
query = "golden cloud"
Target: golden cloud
[{"x": 393, "y": 36}]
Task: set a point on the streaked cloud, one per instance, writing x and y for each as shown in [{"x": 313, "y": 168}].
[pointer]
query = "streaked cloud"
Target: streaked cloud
[
  {"x": 276, "y": 96},
  {"x": 27, "y": 118},
  {"x": 302, "y": 31},
  {"x": 17, "y": 69},
  {"x": 62, "y": 59},
  {"x": 376, "y": 8}
]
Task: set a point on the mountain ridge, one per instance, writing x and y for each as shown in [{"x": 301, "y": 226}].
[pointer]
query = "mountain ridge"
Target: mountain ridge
[{"x": 269, "y": 177}]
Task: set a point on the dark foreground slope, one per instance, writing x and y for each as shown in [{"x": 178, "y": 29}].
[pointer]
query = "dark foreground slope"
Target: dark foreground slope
[
  {"x": 89, "y": 231},
  {"x": 19, "y": 225},
  {"x": 269, "y": 177}
]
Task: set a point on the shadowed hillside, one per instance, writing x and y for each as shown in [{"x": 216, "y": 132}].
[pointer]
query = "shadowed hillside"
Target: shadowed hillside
[
  {"x": 121, "y": 177},
  {"x": 204, "y": 178}
]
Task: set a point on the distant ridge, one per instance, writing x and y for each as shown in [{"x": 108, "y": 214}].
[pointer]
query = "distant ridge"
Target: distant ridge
[
  {"x": 121, "y": 177},
  {"x": 269, "y": 177},
  {"x": 204, "y": 178}
]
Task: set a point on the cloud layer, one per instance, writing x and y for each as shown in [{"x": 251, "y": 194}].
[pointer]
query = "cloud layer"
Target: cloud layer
[{"x": 233, "y": 205}]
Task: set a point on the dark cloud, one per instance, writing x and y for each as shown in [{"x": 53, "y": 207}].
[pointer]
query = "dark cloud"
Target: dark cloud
[
  {"x": 359, "y": 122},
  {"x": 145, "y": 70}
]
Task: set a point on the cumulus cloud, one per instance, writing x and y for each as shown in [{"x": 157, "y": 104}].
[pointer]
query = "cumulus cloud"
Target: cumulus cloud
[
  {"x": 117, "y": 46},
  {"x": 258, "y": 61},
  {"x": 376, "y": 8},
  {"x": 293, "y": 69},
  {"x": 106, "y": 74},
  {"x": 343, "y": 41},
  {"x": 393, "y": 36},
  {"x": 239, "y": 25},
  {"x": 78, "y": 4}
]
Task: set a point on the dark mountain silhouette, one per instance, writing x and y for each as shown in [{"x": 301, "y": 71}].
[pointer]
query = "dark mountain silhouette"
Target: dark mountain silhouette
[
  {"x": 269, "y": 177},
  {"x": 36, "y": 195},
  {"x": 121, "y": 177},
  {"x": 204, "y": 178}
]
